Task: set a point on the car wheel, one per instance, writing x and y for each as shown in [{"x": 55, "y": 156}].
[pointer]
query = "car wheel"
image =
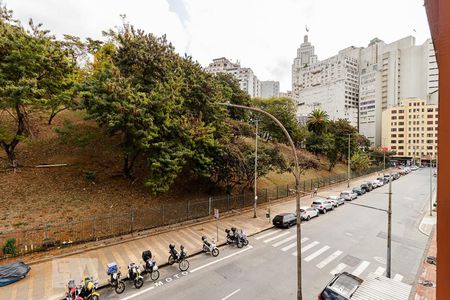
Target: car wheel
[
  {"x": 288, "y": 225},
  {"x": 308, "y": 218},
  {"x": 324, "y": 211}
]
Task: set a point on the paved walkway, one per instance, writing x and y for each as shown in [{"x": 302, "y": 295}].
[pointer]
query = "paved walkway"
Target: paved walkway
[
  {"x": 47, "y": 280},
  {"x": 428, "y": 275}
]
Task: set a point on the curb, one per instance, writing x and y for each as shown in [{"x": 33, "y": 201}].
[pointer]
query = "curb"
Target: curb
[{"x": 426, "y": 215}]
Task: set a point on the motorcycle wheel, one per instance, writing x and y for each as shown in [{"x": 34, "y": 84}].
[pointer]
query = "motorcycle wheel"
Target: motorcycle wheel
[
  {"x": 154, "y": 275},
  {"x": 215, "y": 252},
  {"x": 245, "y": 242},
  {"x": 138, "y": 283},
  {"x": 184, "y": 265},
  {"x": 239, "y": 245},
  {"x": 171, "y": 260},
  {"x": 120, "y": 287},
  {"x": 95, "y": 297}
]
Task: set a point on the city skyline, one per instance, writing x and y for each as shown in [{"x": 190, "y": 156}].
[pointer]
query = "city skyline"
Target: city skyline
[{"x": 203, "y": 29}]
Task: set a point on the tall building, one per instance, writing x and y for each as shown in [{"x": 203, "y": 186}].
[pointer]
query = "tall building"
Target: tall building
[
  {"x": 359, "y": 83},
  {"x": 270, "y": 89},
  {"x": 410, "y": 128},
  {"x": 248, "y": 81},
  {"x": 389, "y": 73},
  {"x": 331, "y": 85}
]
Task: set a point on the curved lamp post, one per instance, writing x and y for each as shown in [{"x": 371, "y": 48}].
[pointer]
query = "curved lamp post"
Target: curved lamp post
[{"x": 297, "y": 190}]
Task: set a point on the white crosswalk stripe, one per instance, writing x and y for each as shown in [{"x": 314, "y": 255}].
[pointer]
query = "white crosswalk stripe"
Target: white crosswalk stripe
[
  {"x": 329, "y": 259},
  {"x": 267, "y": 234},
  {"x": 307, "y": 247},
  {"x": 398, "y": 277},
  {"x": 362, "y": 266},
  {"x": 284, "y": 241},
  {"x": 338, "y": 269},
  {"x": 379, "y": 271},
  {"x": 317, "y": 253},
  {"x": 290, "y": 246},
  {"x": 276, "y": 237}
]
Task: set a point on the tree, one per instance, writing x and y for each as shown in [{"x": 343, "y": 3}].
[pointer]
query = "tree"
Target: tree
[
  {"x": 232, "y": 93},
  {"x": 33, "y": 69},
  {"x": 317, "y": 121},
  {"x": 359, "y": 161}
]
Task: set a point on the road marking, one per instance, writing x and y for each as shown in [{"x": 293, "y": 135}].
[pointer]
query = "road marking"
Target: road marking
[
  {"x": 293, "y": 244},
  {"x": 139, "y": 293},
  {"x": 361, "y": 268},
  {"x": 379, "y": 271},
  {"x": 284, "y": 241},
  {"x": 236, "y": 291},
  {"x": 338, "y": 269},
  {"x": 267, "y": 234},
  {"x": 398, "y": 277},
  {"x": 317, "y": 253},
  {"x": 329, "y": 259},
  {"x": 313, "y": 244},
  {"x": 276, "y": 237},
  {"x": 220, "y": 259}
]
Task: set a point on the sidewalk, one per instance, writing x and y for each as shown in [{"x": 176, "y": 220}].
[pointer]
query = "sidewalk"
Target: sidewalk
[
  {"x": 426, "y": 284},
  {"x": 48, "y": 279}
]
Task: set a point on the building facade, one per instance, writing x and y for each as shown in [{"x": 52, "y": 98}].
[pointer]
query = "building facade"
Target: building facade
[
  {"x": 411, "y": 129},
  {"x": 331, "y": 85},
  {"x": 248, "y": 81},
  {"x": 270, "y": 89}
]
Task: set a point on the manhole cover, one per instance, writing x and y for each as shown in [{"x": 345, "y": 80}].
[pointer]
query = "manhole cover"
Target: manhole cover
[{"x": 350, "y": 260}]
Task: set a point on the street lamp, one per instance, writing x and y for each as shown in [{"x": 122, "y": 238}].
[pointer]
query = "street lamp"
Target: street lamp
[{"x": 297, "y": 190}]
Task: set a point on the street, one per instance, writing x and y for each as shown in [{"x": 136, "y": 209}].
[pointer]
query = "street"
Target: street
[{"x": 351, "y": 238}]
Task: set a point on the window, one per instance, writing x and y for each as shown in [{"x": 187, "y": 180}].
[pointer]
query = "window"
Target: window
[{"x": 393, "y": 135}]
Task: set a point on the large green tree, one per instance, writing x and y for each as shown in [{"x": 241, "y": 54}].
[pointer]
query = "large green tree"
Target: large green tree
[
  {"x": 317, "y": 122},
  {"x": 34, "y": 69}
]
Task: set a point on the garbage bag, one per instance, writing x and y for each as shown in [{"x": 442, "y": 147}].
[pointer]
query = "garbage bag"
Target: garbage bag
[{"x": 13, "y": 272}]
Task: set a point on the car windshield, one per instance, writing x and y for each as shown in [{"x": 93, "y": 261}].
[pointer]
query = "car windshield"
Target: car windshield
[
  {"x": 302, "y": 210},
  {"x": 278, "y": 218},
  {"x": 345, "y": 285},
  {"x": 317, "y": 202}
]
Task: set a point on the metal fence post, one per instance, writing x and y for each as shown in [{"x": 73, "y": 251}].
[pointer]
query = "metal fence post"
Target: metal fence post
[
  {"x": 132, "y": 221},
  {"x": 277, "y": 192},
  {"x": 162, "y": 213},
  {"x": 93, "y": 228},
  {"x": 267, "y": 198},
  {"x": 228, "y": 201},
  {"x": 209, "y": 207},
  {"x": 304, "y": 185},
  {"x": 187, "y": 210}
]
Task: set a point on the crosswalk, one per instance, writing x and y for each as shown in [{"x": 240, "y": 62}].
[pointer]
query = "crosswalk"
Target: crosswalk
[{"x": 323, "y": 256}]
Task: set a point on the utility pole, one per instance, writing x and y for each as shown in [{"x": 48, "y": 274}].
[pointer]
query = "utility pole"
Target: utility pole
[
  {"x": 431, "y": 185},
  {"x": 384, "y": 161},
  {"x": 297, "y": 190},
  {"x": 256, "y": 168},
  {"x": 348, "y": 162},
  {"x": 389, "y": 212}
]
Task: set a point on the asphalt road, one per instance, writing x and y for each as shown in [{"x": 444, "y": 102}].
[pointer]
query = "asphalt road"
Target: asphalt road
[{"x": 351, "y": 238}]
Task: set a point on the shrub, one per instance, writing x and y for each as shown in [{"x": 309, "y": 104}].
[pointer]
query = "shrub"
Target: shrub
[
  {"x": 10, "y": 246},
  {"x": 90, "y": 175}
]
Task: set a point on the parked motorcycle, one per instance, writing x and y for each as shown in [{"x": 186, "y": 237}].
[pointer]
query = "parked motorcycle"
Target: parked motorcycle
[
  {"x": 210, "y": 247},
  {"x": 114, "y": 281},
  {"x": 180, "y": 258},
  {"x": 72, "y": 290},
  {"x": 236, "y": 237},
  {"x": 150, "y": 266},
  {"x": 134, "y": 274},
  {"x": 88, "y": 288}
]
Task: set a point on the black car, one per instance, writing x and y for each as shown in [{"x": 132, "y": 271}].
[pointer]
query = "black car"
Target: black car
[
  {"x": 359, "y": 191},
  {"x": 342, "y": 287},
  {"x": 284, "y": 220},
  {"x": 366, "y": 187}
]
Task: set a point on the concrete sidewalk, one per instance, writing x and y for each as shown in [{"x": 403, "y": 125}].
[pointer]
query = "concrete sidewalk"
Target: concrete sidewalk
[{"x": 48, "y": 279}]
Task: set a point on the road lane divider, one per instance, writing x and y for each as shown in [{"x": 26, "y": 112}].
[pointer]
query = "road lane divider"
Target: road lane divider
[
  {"x": 230, "y": 295},
  {"x": 338, "y": 269},
  {"x": 379, "y": 271},
  {"x": 220, "y": 259},
  {"x": 284, "y": 241},
  {"x": 267, "y": 234},
  {"x": 139, "y": 293},
  {"x": 293, "y": 244},
  {"x": 358, "y": 271},
  {"x": 317, "y": 253}
]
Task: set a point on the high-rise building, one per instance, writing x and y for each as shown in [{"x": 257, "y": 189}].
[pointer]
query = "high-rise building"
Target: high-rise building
[
  {"x": 331, "y": 85},
  {"x": 389, "y": 73},
  {"x": 410, "y": 128},
  {"x": 270, "y": 89},
  {"x": 248, "y": 81}
]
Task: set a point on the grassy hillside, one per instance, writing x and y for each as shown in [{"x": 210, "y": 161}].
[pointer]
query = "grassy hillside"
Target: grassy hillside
[{"x": 91, "y": 184}]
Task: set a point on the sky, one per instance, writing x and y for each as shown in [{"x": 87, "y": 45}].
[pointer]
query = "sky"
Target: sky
[{"x": 261, "y": 34}]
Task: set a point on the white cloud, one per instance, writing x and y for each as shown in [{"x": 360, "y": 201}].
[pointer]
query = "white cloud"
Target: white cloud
[{"x": 263, "y": 35}]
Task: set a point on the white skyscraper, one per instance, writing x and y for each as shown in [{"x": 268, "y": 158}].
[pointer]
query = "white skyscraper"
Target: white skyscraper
[
  {"x": 331, "y": 85},
  {"x": 270, "y": 89}
]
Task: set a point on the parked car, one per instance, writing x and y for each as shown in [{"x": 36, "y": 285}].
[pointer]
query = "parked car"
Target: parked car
[
  {"x": 370, "y": 185},
  {"x": 375, "y": 183},
  {"x": 284, "y": 220},
  {"x": 341, "y": 287},
  {"x": 435, "y": 173},
  {"x": 307, "y": 213},
  {"x": 380, "y": 183},
  {"x": 348, "y": 195},
  {"x": 322, "y": 205},
  {"x": 358, "y": 190},
  {"x": 384, "y": 180},
  {"x": 366, "y": 187},
  {"x": 396, "y": 176},
  {"x": 336, "y": 200},
  {"x": 414, "y": 168}
]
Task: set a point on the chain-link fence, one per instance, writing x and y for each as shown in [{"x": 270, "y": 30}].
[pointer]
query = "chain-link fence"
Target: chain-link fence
[{"x": 59, "y": 235}]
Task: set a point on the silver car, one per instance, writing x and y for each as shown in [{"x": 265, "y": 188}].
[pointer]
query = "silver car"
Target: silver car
[
  {"x": 336, "y": 200},
  {"x": 348, "y": 196},
  {"x": 308, "y": 212},
  {"x": 322, "y": 205}
]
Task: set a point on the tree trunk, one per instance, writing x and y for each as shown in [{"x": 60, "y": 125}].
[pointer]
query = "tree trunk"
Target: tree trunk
[
  {"x": 10, "y": 153},
  {"x": 54, "y": 113},
  {"x": 128, "y": 163}
]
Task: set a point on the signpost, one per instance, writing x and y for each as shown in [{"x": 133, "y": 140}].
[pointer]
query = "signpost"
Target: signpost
[{"x": 216, "y": 216}]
